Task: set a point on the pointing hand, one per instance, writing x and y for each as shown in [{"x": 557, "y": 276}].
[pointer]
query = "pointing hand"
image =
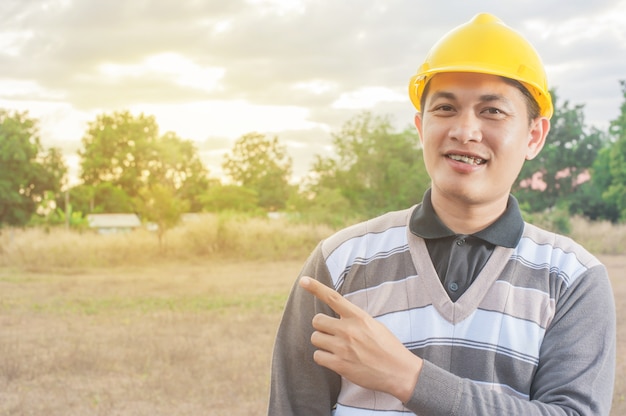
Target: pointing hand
[{"x": 360, "y": 348}]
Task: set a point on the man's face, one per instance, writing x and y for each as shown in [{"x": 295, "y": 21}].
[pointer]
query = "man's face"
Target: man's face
[{"x": 476, "y": 134}]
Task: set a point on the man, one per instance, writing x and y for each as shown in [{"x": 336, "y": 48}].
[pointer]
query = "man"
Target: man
[{"x": 455, "y": 306}]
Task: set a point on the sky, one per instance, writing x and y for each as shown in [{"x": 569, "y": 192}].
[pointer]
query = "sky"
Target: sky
[{"x": 214, "y": 70}]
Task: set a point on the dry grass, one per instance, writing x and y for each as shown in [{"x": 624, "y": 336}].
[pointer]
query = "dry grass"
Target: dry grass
[
  {"x": 600, "y": 237},
  {"x": 184, "y": 339},
  {"x": 213, "y": 236}
]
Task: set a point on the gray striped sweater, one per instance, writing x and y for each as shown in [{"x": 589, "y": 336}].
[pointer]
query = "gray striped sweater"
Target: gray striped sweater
[{"x": 534, "y": 333}]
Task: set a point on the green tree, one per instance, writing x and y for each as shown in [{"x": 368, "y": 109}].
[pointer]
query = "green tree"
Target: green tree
[
  {"x": 97, "y": 199},
  {"x": 375, "y": 169},
  {"x": 27, "y": 170},
  {"x": 588, "y": 200},
  {"x": 230, "y": 198},
  {"x": 569, "y": 151},
  {"x": 327, "y": 206},
  {"x": 262, "y": 165},
  {"x": 178, "y": 164},
  {"x": 158, "y": 204},
  {"x": 126, "y": 152},
  {"x": 118, "y": 148},
  {"x": 616, "y": 191}
]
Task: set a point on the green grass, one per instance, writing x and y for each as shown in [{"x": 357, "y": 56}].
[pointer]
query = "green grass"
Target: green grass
[{"x": 225, "y": 304}]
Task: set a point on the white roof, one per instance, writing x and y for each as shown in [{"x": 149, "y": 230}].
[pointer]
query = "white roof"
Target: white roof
[{"x": 113, "y": 220}]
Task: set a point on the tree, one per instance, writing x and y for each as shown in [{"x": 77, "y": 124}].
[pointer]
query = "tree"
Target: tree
[
  {"x": 178, "y": 165},
  {"x": 102, "y": 198},
  {"x": 327, "y": 206},
  {"x": 158, "y": 204},
  {"x": 376, "y": 169},
  {"x": 588, "y": 200},
  {"x": 118, "y": 148},
  {"x": 27, "y": 170},
  {"x": 569, "y": 152},
  {"x": 616, "y": 192},
  {"x": 127, "y": 153},
  {"x": 263, "y": 166},
  {"x": 230, "y": 198}
]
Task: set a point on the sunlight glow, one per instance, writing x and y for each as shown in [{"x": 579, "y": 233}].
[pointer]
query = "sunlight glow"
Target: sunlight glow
[
  {"x": 179, "y": 69},
  {"x": 15, "y": 88},
  {"x": 317, "y": 86},
  {"x": 279, "y": 7},
  {"x": 11, "y": 43},
  {"x": 367, "y": 97},
  {"x": 222, "y": 26},
  {"x": 219, "y": 118}
]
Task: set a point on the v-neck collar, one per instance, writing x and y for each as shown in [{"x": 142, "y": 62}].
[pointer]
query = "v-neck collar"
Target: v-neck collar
[{"x": 455, "y": 312}]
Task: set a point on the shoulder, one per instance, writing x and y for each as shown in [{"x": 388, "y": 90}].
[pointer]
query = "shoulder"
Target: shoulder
[
  {"x": 362, "y": 243},
  {"x": 386, "y": 225},
  {"x": 539, "y": 248}
]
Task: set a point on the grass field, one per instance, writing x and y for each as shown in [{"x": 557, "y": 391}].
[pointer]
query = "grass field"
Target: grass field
[{"x": 189, "y": 338}]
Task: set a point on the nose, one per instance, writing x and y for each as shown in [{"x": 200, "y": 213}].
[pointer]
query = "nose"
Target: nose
[{"x": 466, "y": 128}]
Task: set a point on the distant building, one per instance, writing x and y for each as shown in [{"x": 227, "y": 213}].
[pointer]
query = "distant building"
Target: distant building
[{"x": 113, "y": 223}]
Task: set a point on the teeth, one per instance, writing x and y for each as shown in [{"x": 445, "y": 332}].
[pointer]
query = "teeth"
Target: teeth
[{"x": 467, "y": 159}]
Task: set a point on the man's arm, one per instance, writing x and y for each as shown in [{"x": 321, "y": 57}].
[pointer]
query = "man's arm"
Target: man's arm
[{"x": 298, "y": 385}]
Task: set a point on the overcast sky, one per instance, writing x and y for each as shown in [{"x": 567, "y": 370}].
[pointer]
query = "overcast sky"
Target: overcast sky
[{"x": 213, "y": 70}]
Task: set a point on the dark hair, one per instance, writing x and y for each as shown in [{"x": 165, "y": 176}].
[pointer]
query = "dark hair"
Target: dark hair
[{"x": 531, "y": 104}]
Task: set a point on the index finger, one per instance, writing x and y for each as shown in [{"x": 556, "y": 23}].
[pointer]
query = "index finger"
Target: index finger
[{"x": 342, "y": 306}]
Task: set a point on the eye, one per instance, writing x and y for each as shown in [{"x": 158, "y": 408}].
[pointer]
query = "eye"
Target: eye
[
  {"x": 493, "y": 112},
  {"x": 442, "y": 109}
]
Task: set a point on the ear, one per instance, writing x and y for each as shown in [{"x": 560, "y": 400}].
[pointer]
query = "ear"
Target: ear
[
  {"x": 537, "y": 136},
  {"x": 418, "y": 125}
]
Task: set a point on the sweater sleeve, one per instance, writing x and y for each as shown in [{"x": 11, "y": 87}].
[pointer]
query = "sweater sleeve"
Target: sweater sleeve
[
  {"x": 576, "y": 368},
  {"x": 298, "y": 385}
]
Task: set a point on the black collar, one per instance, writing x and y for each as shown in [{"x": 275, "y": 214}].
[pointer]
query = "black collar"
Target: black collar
[{"x": 505, "y": 232}]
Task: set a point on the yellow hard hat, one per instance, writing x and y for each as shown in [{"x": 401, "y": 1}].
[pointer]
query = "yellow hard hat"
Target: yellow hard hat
[{"x": 485, "y": 45}]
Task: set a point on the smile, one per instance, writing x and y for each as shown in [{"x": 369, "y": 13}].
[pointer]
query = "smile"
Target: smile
[{"x": 468, "y": 159}]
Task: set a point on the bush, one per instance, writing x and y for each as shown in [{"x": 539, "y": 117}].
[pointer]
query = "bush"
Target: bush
[{"x": 555, "y": 219}]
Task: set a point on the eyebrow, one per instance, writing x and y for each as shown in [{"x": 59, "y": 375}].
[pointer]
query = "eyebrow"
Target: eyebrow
[
  {"x": 483, "y": 98},
  {"x": 442, "y": 94}
]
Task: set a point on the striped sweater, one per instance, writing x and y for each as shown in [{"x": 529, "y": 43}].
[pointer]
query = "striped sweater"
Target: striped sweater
[{"x": 534, "y": 333}]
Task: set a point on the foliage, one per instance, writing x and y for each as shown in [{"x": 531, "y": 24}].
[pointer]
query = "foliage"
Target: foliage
[
  {"x": 376, "y": 170},
  {"x": 616, "y": 191},
  {"x": 159, "y": 205},
  {"x": 327, "y": 206},
  {"x": 178, "y": 165},
  {"x": 569, "y": 152},
  {"x": 27, "y": 171},
  {"x": 262, "y": 165},
  {"x": 104, "y": 197},
  {"x": 58, "y": 217},
  {"x": 118, "y": 148},
  {"x": 554, "y": 219},
  {"x": 230, "y": 198},
  {"x": 126, "y": 152},
  {"x": 588, "y": 200}
]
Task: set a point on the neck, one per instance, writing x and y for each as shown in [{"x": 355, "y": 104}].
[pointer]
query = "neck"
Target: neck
[{"x": 464, "y": 216}]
